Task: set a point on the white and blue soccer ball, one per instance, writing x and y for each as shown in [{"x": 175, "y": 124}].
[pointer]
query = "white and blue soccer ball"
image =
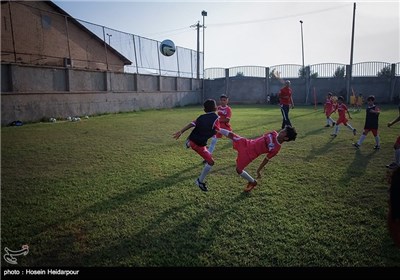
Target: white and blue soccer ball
[{"x": 167, "y": 47}]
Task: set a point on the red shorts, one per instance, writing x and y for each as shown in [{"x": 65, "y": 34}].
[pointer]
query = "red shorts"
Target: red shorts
[
  {"x": 373, "y": 130},
  {"x": 243, "y": 158},
  {"x": 328, "y": 113},
  {"x": 202, "y": 151},
  {"x": 342, "y": 120},
  {"x": 397, "y": 141}
]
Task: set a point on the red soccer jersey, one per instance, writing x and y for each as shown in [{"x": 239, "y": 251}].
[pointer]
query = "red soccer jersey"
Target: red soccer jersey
[
  {"x": 285, "y": 92},
  {"x": 328, "y": 105},
  {"x": 342, "y": 109},
  {"x": 250, "y": 149},
  {"x": 224, "y": 113}
]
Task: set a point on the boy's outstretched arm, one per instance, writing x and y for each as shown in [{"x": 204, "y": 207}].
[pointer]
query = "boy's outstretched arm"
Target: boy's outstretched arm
[
  {"x": 178, "y": 134},
  {"x": 261, "y": 167}
]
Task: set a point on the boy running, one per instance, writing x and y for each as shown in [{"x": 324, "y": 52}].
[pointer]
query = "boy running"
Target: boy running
[
  {"x": 342, "y": 109},
  {"x": 249, "y": 149},
  {"x": 205, "y": 127},
  {"x": 371, "y": 123},
  {"x": 328, "y": 110}
]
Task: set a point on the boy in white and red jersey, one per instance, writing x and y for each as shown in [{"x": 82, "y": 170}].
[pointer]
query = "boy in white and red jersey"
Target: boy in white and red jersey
[
  {"x": 328, "y": 110},
  {"x": 342, "y": 110},
  {"x": 250, "y": 149},
  {"x": 225, "y": 114},
  {"x": 205, "y": 127}
]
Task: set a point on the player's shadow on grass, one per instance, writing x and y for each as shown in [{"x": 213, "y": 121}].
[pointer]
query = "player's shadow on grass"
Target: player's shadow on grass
[
  {"x": 179, "y": 236},
  {"x": 315, "y": 152},
  {"x": 357, "y": 167},
  {"x": 314, "y": 132}
]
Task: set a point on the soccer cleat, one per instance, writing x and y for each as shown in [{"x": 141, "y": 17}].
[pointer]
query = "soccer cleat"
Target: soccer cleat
[
  {"x": 393, "y": 165},
  {"x": 250, "y": 186},
  {"x": 354, "y": 131},
  {"x": 333, "y": 135},
  {"x": 201, "y": 185},
  {"x": 377, "y": 147},
  {"x": 356, "y": 145},
  {"x": 333, "y": 124},
  {"x": 327, "y": 125}
]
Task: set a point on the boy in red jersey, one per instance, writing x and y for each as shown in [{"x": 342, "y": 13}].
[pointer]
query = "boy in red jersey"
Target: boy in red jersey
[
  {"x": 285, "y": 100},
  {"x": 225, "y": 114},
  {"x": 249, "y": 149},
  {"x": 342, "y": 109},
  {"x": 328, "y": 110},
  {"x": 371, "y": 123},
  {"x": 205, "y": 127}
]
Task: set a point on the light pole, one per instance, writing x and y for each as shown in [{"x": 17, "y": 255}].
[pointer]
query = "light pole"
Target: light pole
[
  {"x": 303, "y": 70},
  {"x": 109, "y": 35},
  {"x": 302, "y": 46},
  {"x": 204, "y": 14}
]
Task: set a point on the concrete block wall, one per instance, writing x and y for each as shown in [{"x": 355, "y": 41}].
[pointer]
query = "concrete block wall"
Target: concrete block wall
[{"x": 34, "y": 93}]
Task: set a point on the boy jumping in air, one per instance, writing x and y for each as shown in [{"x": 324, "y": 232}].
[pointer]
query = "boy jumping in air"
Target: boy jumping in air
[
  {"x": 205, "y": 127},
  {"x": 249, "y": 149}
]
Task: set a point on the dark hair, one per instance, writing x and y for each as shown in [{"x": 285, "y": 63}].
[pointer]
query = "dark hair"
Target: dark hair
[
  {"x": 291, "y": 133},
  {"x": 223, "y": 96},
  {"x": 329, "y": 93},
  {"x": 210, "y": 105},
  {"x": 371, "y": 98},
  {"x": 340, "y": 98}
]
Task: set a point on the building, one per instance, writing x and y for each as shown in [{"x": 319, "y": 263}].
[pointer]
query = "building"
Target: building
[{"x": 41, "y": 33}]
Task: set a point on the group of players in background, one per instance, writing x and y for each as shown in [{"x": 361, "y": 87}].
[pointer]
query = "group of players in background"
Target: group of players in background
[{"x": 333, "y": 104}]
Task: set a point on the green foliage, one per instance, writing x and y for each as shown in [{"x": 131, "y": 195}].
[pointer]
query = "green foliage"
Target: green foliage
[
  {"x": 339, "y": 72},
  {"x": 118, "y": 190},
  {"x": 303, "y": 72},
  {"x": 385, "y": 72}
]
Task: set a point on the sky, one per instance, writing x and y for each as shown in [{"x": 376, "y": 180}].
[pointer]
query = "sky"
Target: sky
[{"x": 257, "y": 33}]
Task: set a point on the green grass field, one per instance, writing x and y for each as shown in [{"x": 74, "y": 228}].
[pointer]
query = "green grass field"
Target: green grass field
[{"x": 118, "y": 190}]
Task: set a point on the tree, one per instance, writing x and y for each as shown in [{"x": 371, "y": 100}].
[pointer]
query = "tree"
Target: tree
[
  {"x": 303, "y": 71},
  {"x": 385, "y": 72},
  {"x": 339, "y": 72}
]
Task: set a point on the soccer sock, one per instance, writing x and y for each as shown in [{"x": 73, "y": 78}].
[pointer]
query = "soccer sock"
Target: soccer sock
[
  {"x": 205, "y": 171},
  {"x": 336, "y": 130},
  {"x": 362, "y": 138},
  {"x": 212, "y": 145},
  {"x": 328, "y": 121},
  {"x": 397, "y": 156},
  {"x": 224, "y": 132},
  {"x": 247, "y": 176},
  {"x": 332, "y": 121},
  {"x": 377, "y": 140},
  {"x": 350, "y": 127}
]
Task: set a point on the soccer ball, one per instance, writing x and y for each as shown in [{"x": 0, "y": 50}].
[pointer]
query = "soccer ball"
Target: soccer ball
[{"x": 167, "y": 47}]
